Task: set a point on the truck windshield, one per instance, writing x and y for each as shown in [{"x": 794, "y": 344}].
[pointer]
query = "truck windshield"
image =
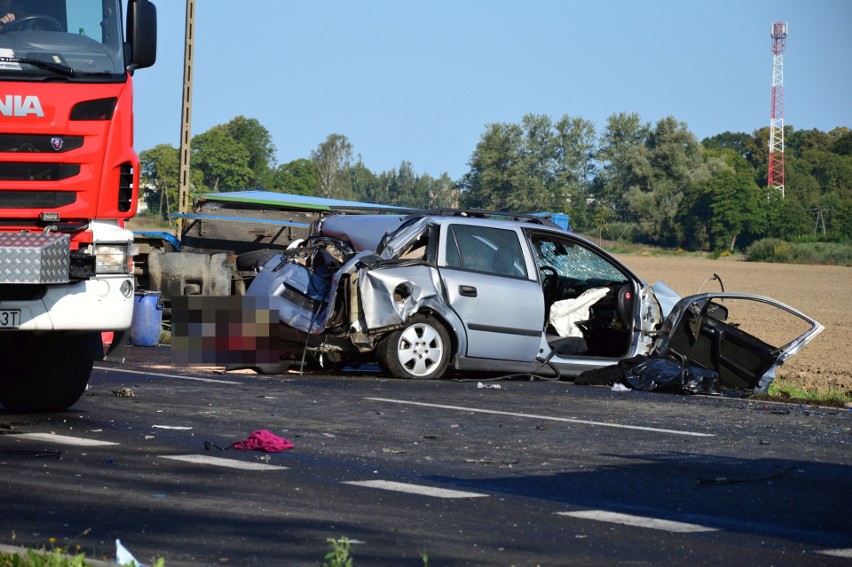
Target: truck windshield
[{"x": 80, "y": 40}]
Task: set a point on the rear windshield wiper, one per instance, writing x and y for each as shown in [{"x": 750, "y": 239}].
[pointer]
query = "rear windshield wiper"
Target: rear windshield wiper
[{"x": 46, "y": 65}]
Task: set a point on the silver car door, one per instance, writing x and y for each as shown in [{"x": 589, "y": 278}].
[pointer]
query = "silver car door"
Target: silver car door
[{"x": 488, "y": 285}]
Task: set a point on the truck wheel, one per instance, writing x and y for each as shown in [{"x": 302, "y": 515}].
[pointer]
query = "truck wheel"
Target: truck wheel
[
  {"x": 421, "y": 349},
  {"x": 45, "y": 372}
]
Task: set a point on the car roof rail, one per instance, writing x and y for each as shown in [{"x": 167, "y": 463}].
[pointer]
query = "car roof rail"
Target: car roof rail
[{"x": 481, "y": 213}]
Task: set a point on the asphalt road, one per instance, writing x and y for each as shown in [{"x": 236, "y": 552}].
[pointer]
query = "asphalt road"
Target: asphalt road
[{"x": 532, "y": 473}]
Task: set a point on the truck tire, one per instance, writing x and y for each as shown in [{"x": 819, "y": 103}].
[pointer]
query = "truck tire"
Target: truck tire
[
  {"x": 46, "y": 372},
  {"x": 421, "y": 349}
]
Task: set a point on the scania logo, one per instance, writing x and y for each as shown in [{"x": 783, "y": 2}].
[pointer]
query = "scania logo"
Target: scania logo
[
  {"x": 56, "y": 143},
  {"x": 19, "y": 105}
]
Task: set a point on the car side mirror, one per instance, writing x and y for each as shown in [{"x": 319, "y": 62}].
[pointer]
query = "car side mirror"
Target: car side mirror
[{"x": 716, "y": 311}]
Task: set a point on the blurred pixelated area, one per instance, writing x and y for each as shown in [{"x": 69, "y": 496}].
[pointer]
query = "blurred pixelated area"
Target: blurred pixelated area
[{"x": 233, "y": 331}]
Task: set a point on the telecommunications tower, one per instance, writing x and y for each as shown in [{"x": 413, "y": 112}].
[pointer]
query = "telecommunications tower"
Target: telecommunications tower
[{"x": 775, "y": 179}]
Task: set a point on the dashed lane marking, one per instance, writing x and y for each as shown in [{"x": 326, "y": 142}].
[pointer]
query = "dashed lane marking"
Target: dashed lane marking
[
  {"x": 64, "y": 439},
  {"x": 162, "y": 375},
  {"x": 546, "y": 418},
  {"x": 637, "y": 521},
  {"x": 220, "y": 462},
  {"x": 415, "y": 489}
]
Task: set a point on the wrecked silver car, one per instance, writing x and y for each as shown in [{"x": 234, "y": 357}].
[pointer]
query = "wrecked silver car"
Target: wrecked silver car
[{"x": 469, "y": 291}]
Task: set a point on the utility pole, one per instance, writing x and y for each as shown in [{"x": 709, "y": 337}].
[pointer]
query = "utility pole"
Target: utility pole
[
  {"x": 186, "y": 115},
  {"x": 775, "y": 179}
]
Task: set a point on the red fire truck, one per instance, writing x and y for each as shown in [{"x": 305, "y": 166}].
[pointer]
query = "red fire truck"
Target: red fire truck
[{"x": 69, "y": 179}]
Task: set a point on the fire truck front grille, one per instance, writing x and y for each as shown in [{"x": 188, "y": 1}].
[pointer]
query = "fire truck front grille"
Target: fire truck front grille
[
  {"x": 36, "y": 199},
  {"x": 38, "y": 171},
  {"x": 24, "y": 143}
]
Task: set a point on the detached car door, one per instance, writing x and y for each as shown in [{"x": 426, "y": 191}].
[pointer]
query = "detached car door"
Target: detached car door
[
  {"x": 488, "y": 285},
  {"x": 742, "y": 337}
]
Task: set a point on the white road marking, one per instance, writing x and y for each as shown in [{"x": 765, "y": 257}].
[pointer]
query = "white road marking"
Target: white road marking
[
  {"x": 842, "y": 553},
  {"x": 415, "y": 489},
  {"x": 161, "y": 375},
  {"x": 546, "y": 418},
  {"x": 64, "y": 439},
  {"x": 637, "y": 521},
  {"x": 220, "y": 462}
]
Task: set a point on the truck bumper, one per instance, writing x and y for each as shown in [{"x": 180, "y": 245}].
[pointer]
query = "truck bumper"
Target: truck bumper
[{"x": 100, "y": 304}]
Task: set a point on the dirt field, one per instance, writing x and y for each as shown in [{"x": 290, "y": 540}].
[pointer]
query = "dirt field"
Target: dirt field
[{"x": 822, "y": 292}]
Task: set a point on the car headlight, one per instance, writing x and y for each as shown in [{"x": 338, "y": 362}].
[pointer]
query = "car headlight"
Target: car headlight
[{"x": 113, "y": 259}]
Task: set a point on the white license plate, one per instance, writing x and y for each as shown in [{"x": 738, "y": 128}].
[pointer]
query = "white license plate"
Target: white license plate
[{"x": 10, "y": 318}]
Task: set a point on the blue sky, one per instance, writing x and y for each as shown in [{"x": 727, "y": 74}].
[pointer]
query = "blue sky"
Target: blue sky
[{"x": 419, "y": 81}]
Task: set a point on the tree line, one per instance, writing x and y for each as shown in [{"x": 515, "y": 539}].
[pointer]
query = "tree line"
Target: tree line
[{"x": 651, "y": 183}]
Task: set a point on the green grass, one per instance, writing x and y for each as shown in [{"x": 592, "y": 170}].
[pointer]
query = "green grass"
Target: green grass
[{"x": 779, "y": 392}]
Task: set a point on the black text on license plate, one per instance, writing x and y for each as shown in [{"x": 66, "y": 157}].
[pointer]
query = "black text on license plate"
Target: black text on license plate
[{"x": 10, "y": 318}]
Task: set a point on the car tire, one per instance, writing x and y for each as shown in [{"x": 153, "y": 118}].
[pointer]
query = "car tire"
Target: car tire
[
  {"x": 420, "y": 350},
  {"x": 45, "y": 372}
]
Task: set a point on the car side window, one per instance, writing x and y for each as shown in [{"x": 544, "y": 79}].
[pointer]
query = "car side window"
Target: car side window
[{"x": 485, "y": 249}]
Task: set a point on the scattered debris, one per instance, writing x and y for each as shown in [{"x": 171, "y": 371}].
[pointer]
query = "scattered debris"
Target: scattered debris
[
  {"x": 177, "y": 427},
  {"x": 392, "y": 451},
  {"x": 124, "y": 393},
  {"x": 480, "y": 385},
  {"x": 123, "y": 556},
  {"x": 619, "y": 387}
]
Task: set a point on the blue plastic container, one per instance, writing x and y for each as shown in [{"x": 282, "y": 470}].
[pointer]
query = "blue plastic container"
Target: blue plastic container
[{"x": 147, "y": 319}]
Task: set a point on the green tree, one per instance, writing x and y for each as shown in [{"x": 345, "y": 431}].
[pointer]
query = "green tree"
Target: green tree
[
  {"x": 159, "y": 176},
  {"x": 332, "y": 160},
  {"x": 298, "y": 177},
  {"x": 739, "y": 142},
  {"x": 519, "y": 167},
  {"x": 646, "y": 172},
  {"x": 222, "y": 160},
  {"x": 257, "y": 141},
  {"x": 734, "y": 199},
  {"x": 493, "y": 168},
  {"x": 367, "y": 186}
]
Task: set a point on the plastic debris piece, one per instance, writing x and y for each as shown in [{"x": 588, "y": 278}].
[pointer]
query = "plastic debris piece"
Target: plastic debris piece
[
  {"x": 619, "y": 387},
  {"x": 178, "y": 427},
  {"x": 124, "y": 393},
  {"x": 494, "y": 386},
  {"x": 124, "y": 557}
]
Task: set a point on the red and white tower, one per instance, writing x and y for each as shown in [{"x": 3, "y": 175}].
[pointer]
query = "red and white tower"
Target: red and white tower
[{"x": 776, "y": 125}]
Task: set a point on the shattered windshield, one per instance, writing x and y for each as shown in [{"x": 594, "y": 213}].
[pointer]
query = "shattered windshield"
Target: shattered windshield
[
  {"x": 576, "y": 262},
  {"x": 75, "y": 39}
]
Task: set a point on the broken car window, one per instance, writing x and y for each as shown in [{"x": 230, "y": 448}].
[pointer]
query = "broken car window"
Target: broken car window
[{"x": 575, "y": 262}]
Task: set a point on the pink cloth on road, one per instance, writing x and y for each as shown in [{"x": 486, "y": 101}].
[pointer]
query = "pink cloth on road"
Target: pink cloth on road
[{"x": 263, "y": 440}]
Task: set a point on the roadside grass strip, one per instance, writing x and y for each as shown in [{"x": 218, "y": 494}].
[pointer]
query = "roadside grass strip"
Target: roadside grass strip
[
  {"x": 637, "y": 521},
  {"x": 63, "y": 439},
  {"x": 415, "y": 489},
  {"x": 162, "y": 375},
  {"x": 220, "y": 462},
  {"x": 545, "y": 417}
]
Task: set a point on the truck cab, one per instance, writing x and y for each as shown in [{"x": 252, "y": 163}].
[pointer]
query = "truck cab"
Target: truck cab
[{"x": 69, "y": 180}]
